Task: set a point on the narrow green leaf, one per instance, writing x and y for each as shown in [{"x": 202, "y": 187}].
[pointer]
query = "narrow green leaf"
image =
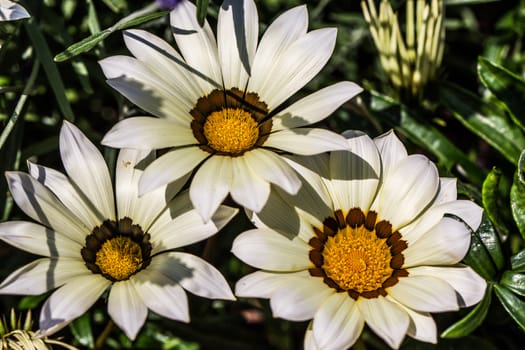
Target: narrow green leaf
[
  {"x": 82, "y": 46},
  {"x": 517, "y": 261},
  {"x": 479, "y": 259},
  {"x": 91, "y": 41},
  {"x": 514, "y": 281},
  {"x": 484, "y": 120},
  {"x": 512, "y": 304},
  {"x": 489, "y": 238},
  {"x": 521, "y": 167},
  {"x": 139, "y": 20},
  {"x": 506, "y": 86},
  {"x": 81, "y": 329},
  {"x": 202, "y": 9},
  {"x": 490, "y": 196},
  {"x": 116, "y": 5},
  {"x": 472, "y": 320},
  {"x": 517, "y": 203},
  {"x": 31, "y": 301},
  {"x": 53, "y": 75},
  {"x": 424, "y": 135}
]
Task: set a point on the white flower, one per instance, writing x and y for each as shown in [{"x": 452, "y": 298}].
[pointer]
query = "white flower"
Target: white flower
[
  {"x": 217, "y": 102},
  {"x": 90, "y": 245},
  {"x": 10, "y": 11},
  {"x": 368, "y": 241}
]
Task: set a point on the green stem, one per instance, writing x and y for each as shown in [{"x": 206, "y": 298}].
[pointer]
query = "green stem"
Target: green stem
[
  {"x": 20, "y": 104},
  {"x": 101, "y": 340}
]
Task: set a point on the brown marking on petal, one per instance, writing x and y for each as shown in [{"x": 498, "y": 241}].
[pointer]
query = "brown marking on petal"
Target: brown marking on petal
[
  {"x": 92, "y": 243},
  {"x": 400, "y": 273},
  {"x": 353, "y": 294},
  {"x": 355, "y": 218},
  {"x": 320, "y": 234},
  {"x": 340, "y": 218},
  {"x": 398, "y": 247},
  {"x": 330, "y": 283},
  {"x": 316, "y": 243},
  {"x": 93, "y": 267},
  {"x": 316, "y": 257},
  {"x": 317, "y": 272},
  {"x": 88, "y": 255},
  {"x": 397, "y": 261},
  {"x": 370, "y": 294},
  {"x": 124, "y": 226},
  {"x": 383, "y": 229},
  {"x": 330, "y": 226},
  {"x": 396, "y": 236},
  {"x": 370, "y": 221},
  {"x": 390, "y": 281}
]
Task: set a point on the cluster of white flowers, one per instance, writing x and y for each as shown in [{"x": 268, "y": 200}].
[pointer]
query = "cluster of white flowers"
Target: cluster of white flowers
[{"x": 350, "y": 230}]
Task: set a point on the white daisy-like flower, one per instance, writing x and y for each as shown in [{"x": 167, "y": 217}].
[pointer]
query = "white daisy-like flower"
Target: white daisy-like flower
[
  {"x": 372, "y": 237},
  {"x": 218, "y": 102},
  {"x": 11, "y": 11},
  {"x": 90, "y": 245}
]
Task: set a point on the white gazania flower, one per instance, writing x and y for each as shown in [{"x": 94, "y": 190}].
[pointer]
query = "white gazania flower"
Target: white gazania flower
[
  {"x": 217, "y": 102},
  {"x": 90, "y": 245},
  {"x": 11, "y": 11},
  {"x": 366, "y": 240}
]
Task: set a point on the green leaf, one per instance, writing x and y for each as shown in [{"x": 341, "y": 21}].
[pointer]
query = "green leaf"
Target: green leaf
[
  {"x": 521, "y": 167},
  {"x": 472, "y": 320},
  {"x": 479, "y": 259},
  {"x": 512, "y": 304},
  {"x": 202, "y": 9},
  {"x": 517, "y": 203},
  {"x": 483, "y": 119},
  {"x": 81, "y": 329},
  {"x": 424, "y": 135},
  {"x": 489, "y": 238},
  {"x": 116, "y": 5},
  {"x": 82, "y": 46},
  {"x": 53, "y": 75},
  {"x": 466, "y": 2},
  {"x": 517, "y": 261},
  {"x": 514, "y": 281},
  {"x": 506, "y": 86},
  {"x": 490, "y": 196},
  {"x": 31, "y": 301},
  {"x": 91, "y": 41}
]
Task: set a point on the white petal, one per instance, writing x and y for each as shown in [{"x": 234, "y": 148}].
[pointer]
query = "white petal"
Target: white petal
[
  {"x": 309, "y": 340},
  {"x": 237, "y": 33},
  {"x": 41, "y": 205},
  {"x": 147, "y": 133},
  {"x": 355, "y": 173},
  {"x": 126, "y": 308},
  {"x": 170, "y": 167},
  {"x": 248, "y": 188},
  {"x": 447, "y": 190},
  {"x": 306, "y": 141},
  {"x": 281, "y": 33},
  {"x": 299, "y": 298},
  {"x": 262, "y": 284},
  {"x": 272, "y": 168},
  {"x": 424, "y": 293},
  {"x": 162, "y": 295},
  {"x": 72, "y": 300},
  {"x": 392, "y": 151},
  {"x": 269, "y": 250},
  {"x": 422, "y": 326},
  {"x": 338, "y": 323},
  {"x": 469, "y": 286},
  {"x": 67, "y": 193},
  {"x": 466, "y": 210},
  {"x": 167, "y": 64},
  {"x": 211, "y": 185},
  {"x": 386, "y": 319},
  {"x": 87, "y": 169},
  {"x": 197, "y": 45},
  {"x": 11, "y": 11},
  {"x": 315, "y": 107},
  {"x": 143, "y": 87},
  {"x": 193, "y": 274},
  {"x": 446, "y": 243},
  {"x": 407, "y": 190},
  {"x": 38, "y": 239},
  {"x": 290, "y": 71},
  {"x": 187, "y": 228},
  {"x": 42, "y": 275}
]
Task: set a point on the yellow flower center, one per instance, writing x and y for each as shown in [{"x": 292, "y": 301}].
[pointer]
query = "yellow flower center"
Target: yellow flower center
[
  {"x": 231, "y": 130},
  {"x": 119, "y": 258},
  {"x": 357, "y": 259},
  {"x": 357, "y": 254},
  {"x": 117, "y": 250}
]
